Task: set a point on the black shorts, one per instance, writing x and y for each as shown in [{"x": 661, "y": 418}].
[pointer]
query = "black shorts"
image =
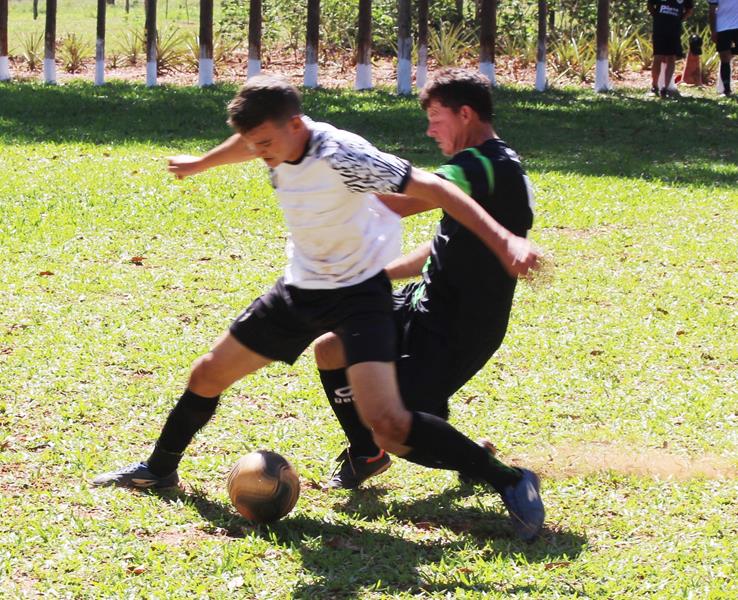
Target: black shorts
[
  {"x": 667, "y": 41},
  {"x": 727, "y": 40},
  {"x": 429, "y": 370},
  {"x": 284, "y": 321}
]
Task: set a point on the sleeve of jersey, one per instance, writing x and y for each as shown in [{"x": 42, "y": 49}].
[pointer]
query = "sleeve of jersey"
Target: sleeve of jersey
[
  {"x": 466, "y": 172},
  {"x": 365, "y": 169}
]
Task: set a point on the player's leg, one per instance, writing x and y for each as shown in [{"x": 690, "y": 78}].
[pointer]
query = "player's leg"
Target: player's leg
[
  {"x": 725, "y": 41},
  {"x": 669, "y": 66},
  {"x": 211, "y": 374},
  {"x": 655, "y": 72},
  {"x": 264, "y": 332},
  {"x": 430, "y": 441}
]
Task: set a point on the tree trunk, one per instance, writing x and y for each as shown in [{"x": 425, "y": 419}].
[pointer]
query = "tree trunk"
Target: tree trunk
[
  {"x": 404, "y": 49},
  {"x": 364, "y": 46},
  {"x": 111, "y": 2},
  {"x": 206, "y": 69},
  {"x": 150, "y": 33},
  {"x": 459, "y": 10},
  {"x": 541, "y": 49},
  {"x": 487, "y": 37},
  {"x": 254, "y": 67},
  {"x": 4, "y": 62},
  {"x": 50, "y": 43},
  {"x": 100, "y": 43},
  {"x": 602, "y": 78},
  {"x": 312, "y": 44},
  {"x": 422, "y": 72},
  {"x": 551, "y": 20},
  {"x": 128, "y": 6},
  {"x": 35, "y": 9}
]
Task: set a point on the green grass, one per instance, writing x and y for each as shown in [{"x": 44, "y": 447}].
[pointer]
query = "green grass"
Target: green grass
[
  {"x": 80, "y": 17},
  {"x": 629, "y": 350}
]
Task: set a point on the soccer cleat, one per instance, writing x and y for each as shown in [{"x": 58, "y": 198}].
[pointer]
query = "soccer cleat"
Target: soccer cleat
[
  {"x": 654, "y": 91},
  {"x": 352, "y": 471},
  {"x": 664, "y": 93},
  {"x": 136, "y": 475},
  {"x": 524, "y": 504}
]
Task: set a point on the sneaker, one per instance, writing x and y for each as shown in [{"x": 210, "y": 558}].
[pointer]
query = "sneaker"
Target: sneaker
[
  {"x": 654, "y": 91},
  {"x": 352, "y": 471},
  {"x": 523, "y": 502},
  {"x": 137, "y": 476}
]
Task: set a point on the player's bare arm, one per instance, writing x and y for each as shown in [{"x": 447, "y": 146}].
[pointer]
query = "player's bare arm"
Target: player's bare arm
[
  {"x": 517, "y": 255},
  {"x": 233, "y": 150},
  {"x": 410, "y": 264},
  {"x": 404, "y": 205}
]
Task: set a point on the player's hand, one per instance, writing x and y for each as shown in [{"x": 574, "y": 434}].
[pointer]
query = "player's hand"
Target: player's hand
[
  {"x": 521, "y": 258},
  {"x": 184, "y": 165}
]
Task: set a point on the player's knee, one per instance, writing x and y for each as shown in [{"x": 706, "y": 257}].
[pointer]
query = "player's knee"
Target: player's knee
[
  {"x": 389, "y": 428},
  {"x": 328, "y": 351},
  {"x": 205, "y": 377}
]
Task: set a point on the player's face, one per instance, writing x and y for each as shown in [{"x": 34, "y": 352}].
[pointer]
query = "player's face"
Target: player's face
[
  {"x": 446, "y": 127},
  {"x": 276, "y": 142}
]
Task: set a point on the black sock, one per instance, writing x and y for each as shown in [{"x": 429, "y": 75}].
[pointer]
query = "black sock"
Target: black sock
[
  {"x": 341, "y": 397},
  {"x": 436, "y": 444},
  {"x": 188, "y": 416},
  {"x": 725, "y": 75}
]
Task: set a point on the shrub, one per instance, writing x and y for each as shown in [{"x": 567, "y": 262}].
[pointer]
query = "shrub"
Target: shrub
[
  {"x": 32, "y": 49},
  {"x": 131, "y": 45},
  {"x": 73, "y": 51},
  {"x": 449, "y": 44}
]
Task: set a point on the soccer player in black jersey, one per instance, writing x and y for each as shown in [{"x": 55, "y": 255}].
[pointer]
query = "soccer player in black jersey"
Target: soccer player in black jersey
[
  {"x": 451, "y": 321},
  {"x": 667, "y": 44}
]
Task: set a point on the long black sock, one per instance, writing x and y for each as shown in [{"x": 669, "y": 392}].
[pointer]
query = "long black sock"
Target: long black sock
[
  {"x": 188, "y": 416},
  {"x": 725, "y": 75},
  {"x": 436, "y": 444},
  {"x": 341, "y": 397}
]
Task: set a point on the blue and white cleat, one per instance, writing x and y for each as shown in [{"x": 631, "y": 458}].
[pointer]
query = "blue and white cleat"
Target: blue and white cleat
[
  {"x": 136, "y": 475},
  {"x": 523, "y": 502}
]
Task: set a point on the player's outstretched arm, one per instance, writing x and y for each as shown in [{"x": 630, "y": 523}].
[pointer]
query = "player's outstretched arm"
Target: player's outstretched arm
[
  {"x": 233, "y": 150},
  {"x": 410, "y": 264},
  {"x": 517, "y": 254},
  {"x": 403, "y": 204}
]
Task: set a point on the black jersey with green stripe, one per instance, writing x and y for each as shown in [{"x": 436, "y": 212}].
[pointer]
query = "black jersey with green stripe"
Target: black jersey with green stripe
[{"x": 464, "y": 286}]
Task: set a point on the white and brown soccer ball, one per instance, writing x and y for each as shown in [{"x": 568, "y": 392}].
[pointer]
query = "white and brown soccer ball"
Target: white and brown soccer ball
[{"x": 263, "y": 486}]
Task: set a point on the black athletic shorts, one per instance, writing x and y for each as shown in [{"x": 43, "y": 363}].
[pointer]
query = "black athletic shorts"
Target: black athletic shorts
[
  {"x": 284, "y": 321},
  {"x": 727, "y": 40},
  {"x": 429, "y": 370},
  {"x": 667, "y": 41}
]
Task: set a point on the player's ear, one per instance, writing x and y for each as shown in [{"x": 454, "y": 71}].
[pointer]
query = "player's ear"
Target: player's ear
[{"x": 466, "y": 113}]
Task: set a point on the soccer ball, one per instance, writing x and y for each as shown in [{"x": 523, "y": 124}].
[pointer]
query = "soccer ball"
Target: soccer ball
[{"x": 263, "y": 486}]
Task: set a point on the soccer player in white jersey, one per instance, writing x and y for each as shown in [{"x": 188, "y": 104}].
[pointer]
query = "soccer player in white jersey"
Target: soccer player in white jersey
[
  {"x": 341, "y": 237},
  {"x": 724, "y": 29}
]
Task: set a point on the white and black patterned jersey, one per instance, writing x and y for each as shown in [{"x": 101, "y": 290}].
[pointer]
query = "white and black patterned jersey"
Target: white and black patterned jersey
[{"x": 340, "y": 234}]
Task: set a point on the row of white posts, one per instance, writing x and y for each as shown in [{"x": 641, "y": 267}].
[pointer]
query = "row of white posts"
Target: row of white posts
[{"x": 488, "y": 31}]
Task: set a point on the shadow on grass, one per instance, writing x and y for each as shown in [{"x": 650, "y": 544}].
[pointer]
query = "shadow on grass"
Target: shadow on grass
[
  {"x": 690, "y": 140},
  {"x": 344, "y": 558}
]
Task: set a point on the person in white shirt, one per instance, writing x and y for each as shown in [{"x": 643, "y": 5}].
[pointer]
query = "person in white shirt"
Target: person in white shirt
[
  {"x": 340, "y": 239},
  {"x": 724, "y": 28}
]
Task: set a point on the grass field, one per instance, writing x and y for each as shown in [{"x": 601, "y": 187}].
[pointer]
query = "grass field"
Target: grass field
[
  {"x": 617, "y": 380},
  {"x": 80, "y": 17}
]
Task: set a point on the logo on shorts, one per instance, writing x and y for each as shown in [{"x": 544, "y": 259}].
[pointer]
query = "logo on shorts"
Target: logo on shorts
[{"x": 343, "y": 395}]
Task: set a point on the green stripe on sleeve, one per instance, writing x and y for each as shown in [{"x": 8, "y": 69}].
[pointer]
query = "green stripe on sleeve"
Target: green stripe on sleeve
[
  {"x": 487, "y": 167},
  {"x": 455, "y": 174}
]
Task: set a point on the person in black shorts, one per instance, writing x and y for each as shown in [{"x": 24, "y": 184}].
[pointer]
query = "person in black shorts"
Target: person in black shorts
[
  {"x": 451, "y": 321},
  {"x": 667, "y": 39},
  {"x": 341, "y": 238},
  {"x": 724, "y": 30}
]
